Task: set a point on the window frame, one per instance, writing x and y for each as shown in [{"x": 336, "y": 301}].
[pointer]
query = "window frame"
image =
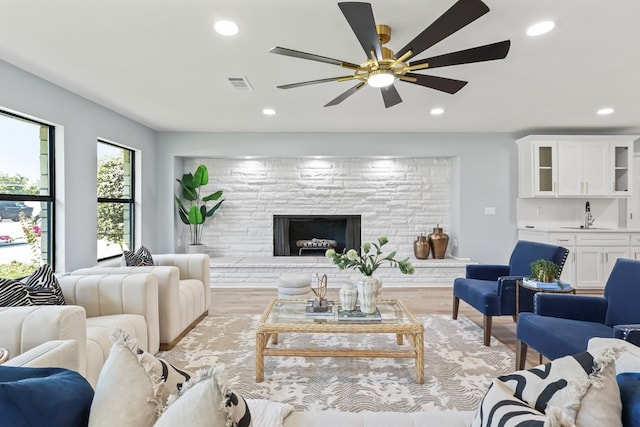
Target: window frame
[
  {"x": 50, "y": 198},
  {"x": 131, "y": 201}
]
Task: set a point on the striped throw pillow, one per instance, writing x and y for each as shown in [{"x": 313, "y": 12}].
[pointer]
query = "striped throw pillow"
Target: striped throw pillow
[
  {"x": 44, "y": 287},
  {"x": 500, "y": 407},
  {"x": 13, "y": 293},
  {"x": 140, "y": 258}
]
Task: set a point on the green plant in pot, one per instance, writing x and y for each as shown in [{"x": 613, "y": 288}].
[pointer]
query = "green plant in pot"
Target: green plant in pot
[
  {"x": 194, "y": 211},
  {"x": 544, "y": 270}
]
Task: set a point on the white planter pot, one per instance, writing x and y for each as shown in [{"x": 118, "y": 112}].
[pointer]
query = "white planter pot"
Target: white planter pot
[{"x": 196, "y": 249}]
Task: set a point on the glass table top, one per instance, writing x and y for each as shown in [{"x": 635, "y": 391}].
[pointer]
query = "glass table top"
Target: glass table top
[{"x": 391, "y": 311}]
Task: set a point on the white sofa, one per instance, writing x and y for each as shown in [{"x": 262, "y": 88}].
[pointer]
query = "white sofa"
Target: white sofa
[
  {"x": 97, "y": 305},
  {"x": 58, "y": 354},
  {"x": 183, "y": 290},
  {"x": 434, "y": 417}
]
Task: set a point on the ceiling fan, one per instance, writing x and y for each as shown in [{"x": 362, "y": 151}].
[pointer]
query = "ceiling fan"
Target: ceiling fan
[{"x": 382, "y": 67}]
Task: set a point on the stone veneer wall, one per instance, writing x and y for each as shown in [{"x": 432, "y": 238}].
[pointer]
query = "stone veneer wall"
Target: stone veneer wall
[{"x": 397, "y": 198}]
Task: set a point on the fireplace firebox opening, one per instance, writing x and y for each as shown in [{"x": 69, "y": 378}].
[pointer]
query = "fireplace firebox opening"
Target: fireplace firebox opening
[{"x": 300, "y": 235}]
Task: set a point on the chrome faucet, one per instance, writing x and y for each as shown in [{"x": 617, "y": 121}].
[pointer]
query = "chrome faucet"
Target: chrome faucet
[{"x": 588, "y": 219}]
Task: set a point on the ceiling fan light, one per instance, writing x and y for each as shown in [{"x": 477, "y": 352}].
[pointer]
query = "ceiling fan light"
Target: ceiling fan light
[{"x": 380, "y": 78}]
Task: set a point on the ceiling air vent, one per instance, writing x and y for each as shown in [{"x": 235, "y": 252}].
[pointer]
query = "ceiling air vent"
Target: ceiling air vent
[{"x": 240, "y": 83}]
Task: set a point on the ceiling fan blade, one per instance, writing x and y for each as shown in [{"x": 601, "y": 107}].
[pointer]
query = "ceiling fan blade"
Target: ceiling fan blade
[
  {"x": 462, "y": 13},
  {"x": 390, "y": 96},
  {"x": 312, "y": 57},
  {"x": 442, "y": 84},
  {"x": 489, "y": 52},
  {"x": 360, "y": 17},
  {"x": 312, "y": 82},
  {"x": 344, "y": 95}
]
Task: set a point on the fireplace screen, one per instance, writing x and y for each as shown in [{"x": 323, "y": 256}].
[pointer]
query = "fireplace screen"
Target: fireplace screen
[{"x": 299, "y": 235}]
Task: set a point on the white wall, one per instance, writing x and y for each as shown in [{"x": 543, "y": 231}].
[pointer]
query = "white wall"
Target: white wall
[
  {"x": 484, "y": 174},
  {"x": 79, "y": 124},
  {"x": 396, "y": 198}
]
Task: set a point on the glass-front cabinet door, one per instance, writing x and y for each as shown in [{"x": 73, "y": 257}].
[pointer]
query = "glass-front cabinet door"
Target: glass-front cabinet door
[
  {"x": 621, "y": 155},
  {"x": 545, "y": 169}
]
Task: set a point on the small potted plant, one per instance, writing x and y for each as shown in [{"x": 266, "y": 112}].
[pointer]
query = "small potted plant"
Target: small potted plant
[{"x": 544, "y": 270}]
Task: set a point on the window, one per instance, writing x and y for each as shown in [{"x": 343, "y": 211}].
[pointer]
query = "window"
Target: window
[
  {"x": 26, "y": 195},
  {"x": 115, "y": 199}
]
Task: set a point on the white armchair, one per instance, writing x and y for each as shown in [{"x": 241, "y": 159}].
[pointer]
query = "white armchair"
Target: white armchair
[
  {"x": 96, "y": 306},
  {"x": 183, "y": 290}
]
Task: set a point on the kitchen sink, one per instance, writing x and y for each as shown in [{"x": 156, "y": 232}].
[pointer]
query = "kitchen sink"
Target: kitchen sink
[{"x": 587, "y": 229}]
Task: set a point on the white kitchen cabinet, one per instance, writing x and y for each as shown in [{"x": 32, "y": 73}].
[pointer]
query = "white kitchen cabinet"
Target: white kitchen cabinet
[
  {"x": 621, "y": 169},
  {"x": 568, "y": 241},
  {"x": 575, "y": 165},
  {"x": 592, "y": 254},
  {"x": 583, "y": 168},
  {"x": 596, "y": 263},
  {"x": 537, "y": 164}
]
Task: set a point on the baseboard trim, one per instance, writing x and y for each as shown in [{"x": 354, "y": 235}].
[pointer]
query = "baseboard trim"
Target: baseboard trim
[{"x": 170, "y": 345}]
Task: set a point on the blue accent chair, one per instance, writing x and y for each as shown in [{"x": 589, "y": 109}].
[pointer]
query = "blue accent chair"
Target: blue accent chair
[
  {"x": 491, "y": 289},
  {"x": 562, "y": 324}
]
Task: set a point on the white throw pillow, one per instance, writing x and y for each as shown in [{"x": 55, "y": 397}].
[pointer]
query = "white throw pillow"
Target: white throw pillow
[
  {"x": 135, "y": 382},
  {"x": 205, "y": 401},
  {"x": 580, "y": 388},
  {"x": 629, "y": 358}
]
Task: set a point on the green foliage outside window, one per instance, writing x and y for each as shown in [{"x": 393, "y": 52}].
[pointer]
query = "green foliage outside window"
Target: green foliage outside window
[
  {"x": 111, "y": 185},
  {"x": 17, "y": 184}
]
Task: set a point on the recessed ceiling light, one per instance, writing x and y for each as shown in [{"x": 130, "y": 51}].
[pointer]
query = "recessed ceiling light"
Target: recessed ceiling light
[
  {"x": 540, "y": 28},
  {"x": 269, "y": 112},
  {"x": 437, "y": 111},
  {"x": 226, "y": 28},
  {"x": 605, "y": 111}
]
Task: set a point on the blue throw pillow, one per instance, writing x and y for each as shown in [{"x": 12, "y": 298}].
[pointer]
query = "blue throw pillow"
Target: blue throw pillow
[
  {"x": 52, "y": 397},
  {"x": 629, "y": 383}
]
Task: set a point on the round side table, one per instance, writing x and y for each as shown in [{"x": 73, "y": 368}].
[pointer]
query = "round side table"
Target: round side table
[{"x": 4, "y": 355}]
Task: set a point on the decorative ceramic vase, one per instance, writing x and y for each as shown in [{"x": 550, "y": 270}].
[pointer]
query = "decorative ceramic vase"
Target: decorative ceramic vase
[
  {"x": 348, "y": 297},
  {"x": 368, "y": 290},
  {"x": 421, "y": 247},
  {"x": 438, "y": 242}
]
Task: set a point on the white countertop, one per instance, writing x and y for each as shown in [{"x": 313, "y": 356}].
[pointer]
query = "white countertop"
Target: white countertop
[{"x": 559, "y": 229}]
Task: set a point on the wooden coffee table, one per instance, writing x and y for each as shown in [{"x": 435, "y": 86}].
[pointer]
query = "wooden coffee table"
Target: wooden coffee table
[{"x": 287, "y": 316}]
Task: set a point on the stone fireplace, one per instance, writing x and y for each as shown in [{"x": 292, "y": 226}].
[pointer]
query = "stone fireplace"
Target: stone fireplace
[{"x": 299, "y": 235}]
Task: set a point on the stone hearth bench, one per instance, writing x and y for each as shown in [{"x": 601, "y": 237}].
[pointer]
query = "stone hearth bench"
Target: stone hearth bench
[{"x": 264, "y": 272}]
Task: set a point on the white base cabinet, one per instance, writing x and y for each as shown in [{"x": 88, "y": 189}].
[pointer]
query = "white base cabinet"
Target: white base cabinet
[{"x": 592, "y": 255}]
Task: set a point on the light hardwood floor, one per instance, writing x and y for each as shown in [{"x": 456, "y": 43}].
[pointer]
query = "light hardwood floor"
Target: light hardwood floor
[{"x": 420, "y": 301}]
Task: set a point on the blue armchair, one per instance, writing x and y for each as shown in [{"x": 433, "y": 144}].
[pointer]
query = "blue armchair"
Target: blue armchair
[
  {"x": 491, "y": 289},
  {"x": 562, "y": 324}
]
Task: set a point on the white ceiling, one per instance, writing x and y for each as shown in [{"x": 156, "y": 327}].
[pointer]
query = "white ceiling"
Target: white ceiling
[{"x": 159, "y": 62}]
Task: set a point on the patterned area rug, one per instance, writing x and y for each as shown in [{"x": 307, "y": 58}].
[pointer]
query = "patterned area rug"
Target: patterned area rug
[{"x": 458, "y": 368}]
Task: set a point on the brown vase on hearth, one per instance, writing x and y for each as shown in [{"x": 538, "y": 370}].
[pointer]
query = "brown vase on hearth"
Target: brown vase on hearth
[
  {"x": 421, "y": 247},
  {"x": 438, "y": 242}
]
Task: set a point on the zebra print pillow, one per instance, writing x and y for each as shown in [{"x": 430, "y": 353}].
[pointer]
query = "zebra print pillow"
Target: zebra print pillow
[
  {"x": 13, "y": 293},
  {"x": 578, "y": 389},
  {"x": 500, "y": 407},
  {"x": 140, "y": 258},
  {"x": 44, "y": 287}
]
